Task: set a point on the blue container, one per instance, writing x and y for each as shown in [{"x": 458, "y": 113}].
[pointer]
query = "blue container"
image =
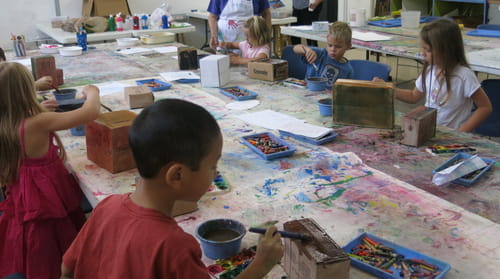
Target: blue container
[
  {"x": 161, "y": 84},
  {"x": 466, "y": 180},
  {"x": 325, "y": 107},
  {"x": 78, "y": 130},
  {"x": 238, "y": 93},
  {"x": 65, "y": 94},
  {"x": 443, "y": 267},
  {"x": 270, "y": 156},
  {"x": 316, "y": 83},
  {"x": 220, "y": 238}
]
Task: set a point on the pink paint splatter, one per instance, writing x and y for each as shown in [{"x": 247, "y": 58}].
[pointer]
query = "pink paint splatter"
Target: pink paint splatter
[{"x": 284, "y": 165}]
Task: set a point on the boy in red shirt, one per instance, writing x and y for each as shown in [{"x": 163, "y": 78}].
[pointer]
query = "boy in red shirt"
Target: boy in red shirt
[{"x": 176, "y": 146}]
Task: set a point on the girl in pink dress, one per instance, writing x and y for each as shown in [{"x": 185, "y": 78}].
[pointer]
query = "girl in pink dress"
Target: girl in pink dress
[
  {"x": 41, "y": 214},
  {"x": 255, "y": 47}
]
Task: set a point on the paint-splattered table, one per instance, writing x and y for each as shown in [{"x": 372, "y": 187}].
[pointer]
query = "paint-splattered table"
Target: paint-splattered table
[{"x": 340, "y": 185}]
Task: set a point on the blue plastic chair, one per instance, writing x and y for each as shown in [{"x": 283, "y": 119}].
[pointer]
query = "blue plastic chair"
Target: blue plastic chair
[
  {"x": 296, "y": 64},
  {"x": 491, "y": 126},
  {"x": 367, "y": 70},
  {"x": 489, "y": 27}
]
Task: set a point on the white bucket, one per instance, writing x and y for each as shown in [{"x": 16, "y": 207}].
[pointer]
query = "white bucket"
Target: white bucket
[
  {"x": 357, "y": 17},
  {"x": 410, "y": 19}
]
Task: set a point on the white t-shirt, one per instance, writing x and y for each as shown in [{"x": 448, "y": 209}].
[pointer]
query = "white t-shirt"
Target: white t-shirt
[
  {"x": 248, "y": 51},
  {"x": 458, "y": 107}
]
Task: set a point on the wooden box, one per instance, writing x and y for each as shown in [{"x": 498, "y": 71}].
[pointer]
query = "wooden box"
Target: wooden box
[
  {"x": 44, "y": 65},
  {"x": 317, "y": 258},
  {"x": 107, "y": 141},
  {"x": 363, "y": 103},
  {"x": 104, "y": 7},
  {"x": 60, "y": 77},
  {"x": 138, "y": 96},
  {"x": 188, "y": 58},
  {"x": 268, "y": 69},
  {"x": 418, "y": 125}
]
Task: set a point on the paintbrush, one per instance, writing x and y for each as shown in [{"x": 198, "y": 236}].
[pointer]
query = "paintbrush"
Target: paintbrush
[
  {"x": 55, "y": 88},
  {"x": 282, "y": 233},
  {"x": 313, "y": 64},
  {"x": 106, "y": 107}
]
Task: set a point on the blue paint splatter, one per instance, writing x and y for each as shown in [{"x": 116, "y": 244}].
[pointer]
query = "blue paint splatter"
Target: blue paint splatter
[
  {"x": 301, "y": 197},
  {"x": 325, "y": 177},
  {"x": 308, "y": 171},
  {"x": 226, "y": 207},
  {"x": 268, "y": 189},
  {"x": 335, "y": 165}
]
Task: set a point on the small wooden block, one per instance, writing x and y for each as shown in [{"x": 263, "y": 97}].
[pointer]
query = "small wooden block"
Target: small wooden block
[
  {"x": 138, "y": 96},
  {"x": 188, "y": 58},
  {"x": 418, "y": 126},
  {"x": 60, "y": 77},
  {"x": 316, "y": 258},
  {"x": 363, "y": 103},
  {"x": 44, "y": 65},
  {"x": 107, "y": 141}
]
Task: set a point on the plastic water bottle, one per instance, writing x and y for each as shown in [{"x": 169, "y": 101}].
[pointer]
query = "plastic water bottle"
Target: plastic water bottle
[
  {"x": 111, "y": 23},
  {"x": 136, "y": 22},
  {"x": 144, "y": 22},
  {"x": 164, "y": 20}
]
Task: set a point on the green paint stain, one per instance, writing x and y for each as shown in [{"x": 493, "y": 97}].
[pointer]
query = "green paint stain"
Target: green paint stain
[{"x": 328, "y": 201}]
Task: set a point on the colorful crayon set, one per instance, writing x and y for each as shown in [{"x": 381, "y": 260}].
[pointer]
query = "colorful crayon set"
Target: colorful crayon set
[
  {"x": 238, "y": 93},
  {"x": 451, "y": 148},
  {"x": 266, "y": 144},
  {"x": 384, "y": 257}
]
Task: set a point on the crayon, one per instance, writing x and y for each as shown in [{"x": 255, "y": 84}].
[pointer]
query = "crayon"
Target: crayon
[{"x": 282, "y": 233}]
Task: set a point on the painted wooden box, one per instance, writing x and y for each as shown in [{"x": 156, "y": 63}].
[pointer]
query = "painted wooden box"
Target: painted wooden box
[
  {"x": 316, "y": 258},
  {"x": 418, "y": 126},
  {"x": 138, "y": 96},
  {"x": 107, "y": 141},
  {"x": 363, "y": 103}
]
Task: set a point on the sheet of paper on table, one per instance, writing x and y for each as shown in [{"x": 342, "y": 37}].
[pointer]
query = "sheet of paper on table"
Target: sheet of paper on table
[
  {"x": 458, "y": 170},
  {"x": 170, "y": 76},
  {"x": 166, "y": 49},
  {"x": 369, "y": 36}
]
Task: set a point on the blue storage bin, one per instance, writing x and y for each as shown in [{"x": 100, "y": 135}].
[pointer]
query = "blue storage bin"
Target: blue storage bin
[
  {"x": 162, "y": 85},
  {"x": 469, "y": 179},
  {"x": 328, "y": 138},
  {"x": 396, "y": 22},
  {"x": 443, "y": 267},
  {"x": 238, "y": 93},
  {"x": 269, "y": 156}
]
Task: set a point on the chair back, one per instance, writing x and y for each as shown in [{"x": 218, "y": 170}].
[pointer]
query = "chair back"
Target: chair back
[
  {"x": 296, "y": 64},
  {"x": 367, "y": 70},
  {"x": 491, "y": 126}
]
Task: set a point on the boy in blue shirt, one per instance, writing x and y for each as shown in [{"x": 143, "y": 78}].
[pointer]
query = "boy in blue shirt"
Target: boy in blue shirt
[{"x": 329, "y": 62}]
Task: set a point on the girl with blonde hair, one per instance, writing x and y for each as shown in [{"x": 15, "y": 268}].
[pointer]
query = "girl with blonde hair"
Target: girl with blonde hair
[{"x": 41, "y": 214}]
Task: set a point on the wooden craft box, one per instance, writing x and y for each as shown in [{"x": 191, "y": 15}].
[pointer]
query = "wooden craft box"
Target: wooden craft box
[
  {"x": 418, "y": 126},
  {"x": 107, "y": 141},
  {"x": 363, "y": 103},
  {"x": 138, "y": 96},
  {"x": 317, "y": 258},
  {"x": 188, "y": 58},
  {"x": 268, "y": 69}
]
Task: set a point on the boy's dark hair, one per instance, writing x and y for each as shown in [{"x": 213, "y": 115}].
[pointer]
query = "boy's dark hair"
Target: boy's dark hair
[
  {"x": 2, "y": 55},
  {"x": 171, "y": 130}
]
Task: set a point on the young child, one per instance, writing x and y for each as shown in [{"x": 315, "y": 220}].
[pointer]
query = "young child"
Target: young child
[
  {"x": 329, "y": 63},
  {"x": 41, "y": 212},
  {"x": 446, "y": 81},
  {"x": 255, "y": 47},
  {"x": 176, "y": 146}
]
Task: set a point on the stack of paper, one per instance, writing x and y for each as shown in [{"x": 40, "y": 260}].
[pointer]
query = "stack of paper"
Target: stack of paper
[{"x": 458, "y": 170}]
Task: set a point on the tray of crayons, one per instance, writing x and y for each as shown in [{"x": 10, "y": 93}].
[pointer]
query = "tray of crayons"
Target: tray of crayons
[
  {"x": 154, "y": 84},
  {"x": 385, "y": 259},
  {"x": 238, "y": 93},
  {"x": 295, "y": 82},
  {"x": 468, "y": 179},
  {"x": 268, "y": 146}
]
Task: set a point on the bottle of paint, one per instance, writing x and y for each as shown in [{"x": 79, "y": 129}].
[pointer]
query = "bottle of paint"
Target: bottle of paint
[
  {"x": 136, "y": 22},
  {"x": 128, "y": 23},
  {"x": 144, "y": 21},
  {"x": 111, "y": 23},
  {"x": 119, "y": 22},
  {"x": 164, "y": 20}
]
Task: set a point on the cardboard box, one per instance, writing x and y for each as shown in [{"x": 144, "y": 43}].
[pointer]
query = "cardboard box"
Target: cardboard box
[
  {"x": 44, "y": 65},
  {"x": 268, "y": 69},
  {"x": 363, "y": 103},
  {"x": 107, "y": 141},
  {"x": 418, "y": 126},
  {"x": 214, "y": 70},
  {"x": 138, "y": 96},
  {"x": 316, "y": 258},
  {"x": 188, "y": 58},
  {"x": 104, "y": 7}
]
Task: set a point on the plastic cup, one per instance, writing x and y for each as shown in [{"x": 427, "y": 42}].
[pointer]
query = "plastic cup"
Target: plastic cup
[
  {"x": 325, "y": 107},
  {"x": 220, "y": 238},
  {"x": 316, "y": 83},
  {"x": 410, "y": 19},
  {"x": 65, "y": 94}
]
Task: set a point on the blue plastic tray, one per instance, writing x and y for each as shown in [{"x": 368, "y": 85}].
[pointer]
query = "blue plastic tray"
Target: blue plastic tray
[
  {"x": 469, "y": 179},
  {"x": 188, "y": 80},
  {"x": 245, "y": 93},
  {"x": 396, "y": 22},
  {"x": 163, "y": 85},
  {"x": 275, "y": 139},
  {"x": 407, "y": 253},
  {"x": 328, "y": 138},
  {"x": 484, "y": 33}
]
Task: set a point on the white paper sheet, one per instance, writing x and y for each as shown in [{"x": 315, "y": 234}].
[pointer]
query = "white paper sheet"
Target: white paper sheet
[
  {"x": 243, "y": 105},
  {"x": 369, "y": 36},
  {"x": 458, "y": 170},
  {"x": 170, "y": 76},
  {"x": 112, "y": 88},
  {"x": 305, "y": 129},
  {"x": 166, "y": 49},
  {"x": 302, "y": 27},
  {"x": 133, "y": 50}
]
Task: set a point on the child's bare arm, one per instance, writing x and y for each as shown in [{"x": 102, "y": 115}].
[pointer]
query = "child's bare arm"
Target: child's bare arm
[
  {"x": 43, "y": 83},
  {"x": 237, "y": 60},
  {"x": 309, "y": 54},
  {"x": 269, "y": 253},
  {"x": 484, "y": 109},
  {"x": 411, "y": 96}
]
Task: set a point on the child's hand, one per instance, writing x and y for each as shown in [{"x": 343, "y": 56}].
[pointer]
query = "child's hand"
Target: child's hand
[
  {"x": 377, "y": 79},
  {"x": 234, "y": 58},
  {"x": 270, "y": 248},
  {"x": 310, "y": 55},
  {"x": 50, "y": 105},
  {"x": 90, "y": 90},
  {"x": 43, "y": 83}
]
